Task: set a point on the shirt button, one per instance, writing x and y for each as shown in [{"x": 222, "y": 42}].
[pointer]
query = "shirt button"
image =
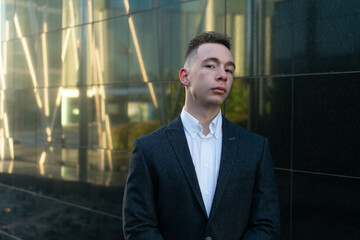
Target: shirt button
[
  {"x": 207, "y": 165},
  {"x": 205, "y": 140},
  {"x": 206, "y": 192},
  {"x": 208, "y": 238}
]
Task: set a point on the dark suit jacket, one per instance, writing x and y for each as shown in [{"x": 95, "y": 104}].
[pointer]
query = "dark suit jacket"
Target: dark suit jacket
[{"x": 162, "y": 197}]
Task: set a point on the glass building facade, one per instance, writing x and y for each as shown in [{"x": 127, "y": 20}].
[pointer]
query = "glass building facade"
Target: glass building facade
[{"x": 80, "y": 79}]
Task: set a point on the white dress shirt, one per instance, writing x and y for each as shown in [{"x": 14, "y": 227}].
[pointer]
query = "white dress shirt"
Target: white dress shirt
[{"x": 205, "y": 152}]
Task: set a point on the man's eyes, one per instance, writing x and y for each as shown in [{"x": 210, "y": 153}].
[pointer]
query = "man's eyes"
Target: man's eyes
[
  {"x": 209, "y": 66},
  {"x": 229, "y": 71},
  {"x": 213, "y": 66}
]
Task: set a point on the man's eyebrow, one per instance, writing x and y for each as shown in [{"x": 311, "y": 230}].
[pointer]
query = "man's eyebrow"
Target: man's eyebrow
[{"x": 217, "y": 60}]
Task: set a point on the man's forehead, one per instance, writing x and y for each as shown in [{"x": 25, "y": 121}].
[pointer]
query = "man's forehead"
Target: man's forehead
[
  {"x": 213, "y": 48},
  {"x": 212, "y": 45},
  {"x": 214, "y": 51}
]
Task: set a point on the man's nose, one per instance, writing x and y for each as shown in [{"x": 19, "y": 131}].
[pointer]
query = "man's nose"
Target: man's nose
[{"x": 222, "y": 75}]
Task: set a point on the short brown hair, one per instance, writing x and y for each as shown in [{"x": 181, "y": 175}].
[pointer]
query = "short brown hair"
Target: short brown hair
[{"x": 207, "y": 37}]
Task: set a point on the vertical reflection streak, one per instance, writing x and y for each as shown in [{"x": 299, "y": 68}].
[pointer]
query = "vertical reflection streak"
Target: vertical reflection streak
[
  {"x": 103, "y": 138},
  {"x": 90, "y": 34},
  {"x": 100, "y": 96},
  {"x": 11, "y": 146},
  {"x": 38, "y": 100},
  {"x": 73, "y": 35},
  {"x": 101, "y": 84},
  {"x": 90, "y": 11},
  {"x": 2, "y": 73},
  {"x": 210, "y": 16},
  {"x": 2, "y": 139},
  {"x": 28, "y": 59},
  {"x": 108, "y": 131},
  {"x": 6, "y": 126},
  {"x": 41, "y": 163},
  {"x": 268, "y": 45},
  {"x": 46, "y": 82},
  {"x": 99, "y": 99},
  {"x": 139, "y": 55},
  {"x": 12, "y": 156},
  {"x": 101, "y": 42},
  {"x": 2, "y": 104},
  {"x": 45, "y": 70},
  {"x": 66, "y": 43},
  {"x": 48, "y": 132},
  {"x": 2, "y": 142},
  {"x": 98, "y": 115},
  {"x": 5, "y": 47},
  {"x": 98, "y": 80},
  {"x": 42, "y": 158},
  {"x": 57, "y": 104},
  {"x": 239, "y": 44}
]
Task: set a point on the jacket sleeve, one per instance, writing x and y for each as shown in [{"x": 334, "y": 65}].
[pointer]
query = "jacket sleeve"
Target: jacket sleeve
[
  {"x": 139, "y": 203},
  {"x": 264, "y": 222}
]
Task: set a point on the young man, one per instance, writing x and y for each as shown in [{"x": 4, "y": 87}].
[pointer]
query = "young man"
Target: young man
[{"x": 202, "y": 177}]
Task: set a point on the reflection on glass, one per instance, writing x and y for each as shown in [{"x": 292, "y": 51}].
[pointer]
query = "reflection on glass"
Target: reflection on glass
[
  {"x": 209, "y": 25},
  {"x": 139, "y": 55},
  {"x": 90, "y": 76},
  {"x": 238, "y": 34},
  {"x": 73, "y": 34},
  {"x": 3, "y": 54},
  {"x": 116, "y": 114},
  {"x": 29, "y": 61},
  {"x": 237, "y": 104},
  {"x": 139, "y": 111}
]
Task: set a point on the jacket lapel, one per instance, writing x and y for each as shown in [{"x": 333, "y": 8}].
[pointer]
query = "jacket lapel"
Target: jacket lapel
[
  {"x": 228, "y": 153},
  {"x": 179, "y": 144}
]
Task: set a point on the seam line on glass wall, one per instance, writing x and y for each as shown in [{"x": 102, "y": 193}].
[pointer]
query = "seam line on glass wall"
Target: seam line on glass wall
[
  {"x": 59, "y": 201},
  {"x": 297, "y": 75},
  {"x": 317, "y": 173},
  {"x": 9, "y": 235}
]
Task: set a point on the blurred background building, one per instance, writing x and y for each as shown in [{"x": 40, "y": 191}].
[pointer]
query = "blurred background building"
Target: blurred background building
[{"x": 80, "y": 79}]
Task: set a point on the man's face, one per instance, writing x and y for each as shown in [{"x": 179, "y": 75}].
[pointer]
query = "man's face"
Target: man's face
[{"x": 210, "y": 75}]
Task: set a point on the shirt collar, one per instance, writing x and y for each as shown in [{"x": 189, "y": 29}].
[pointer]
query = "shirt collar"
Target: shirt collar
[{"x": 192, "y": 125}]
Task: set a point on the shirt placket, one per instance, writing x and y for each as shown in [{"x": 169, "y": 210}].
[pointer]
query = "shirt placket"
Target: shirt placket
[{"x": 207, "y": 165}]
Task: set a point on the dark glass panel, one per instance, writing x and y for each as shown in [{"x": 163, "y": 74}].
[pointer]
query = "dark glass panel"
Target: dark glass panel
[
  {"x": 281, "y": 37},
  {"x": 326, "y": 38},
  {"x": 326, "y": 124},
  {"x": 264, "y": 106},
  {"x": 261, "y": 36},
  {"x": 324, "y": 207},
  {"x": 42, "y": 218},
  {"x": 283, "y": 179}
]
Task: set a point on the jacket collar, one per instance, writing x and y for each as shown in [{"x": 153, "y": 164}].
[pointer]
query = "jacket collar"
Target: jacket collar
[{"x": 176, "y": 135}]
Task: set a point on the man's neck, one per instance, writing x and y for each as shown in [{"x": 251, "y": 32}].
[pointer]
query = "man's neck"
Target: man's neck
[{"x": 204, "y": 116}]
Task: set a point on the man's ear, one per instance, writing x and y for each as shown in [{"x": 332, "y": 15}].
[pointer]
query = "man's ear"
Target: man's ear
[{"x": 183, "y": 76}]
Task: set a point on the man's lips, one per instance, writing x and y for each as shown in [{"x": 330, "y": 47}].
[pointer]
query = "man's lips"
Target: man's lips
[{"x": 219, "y": 89}]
